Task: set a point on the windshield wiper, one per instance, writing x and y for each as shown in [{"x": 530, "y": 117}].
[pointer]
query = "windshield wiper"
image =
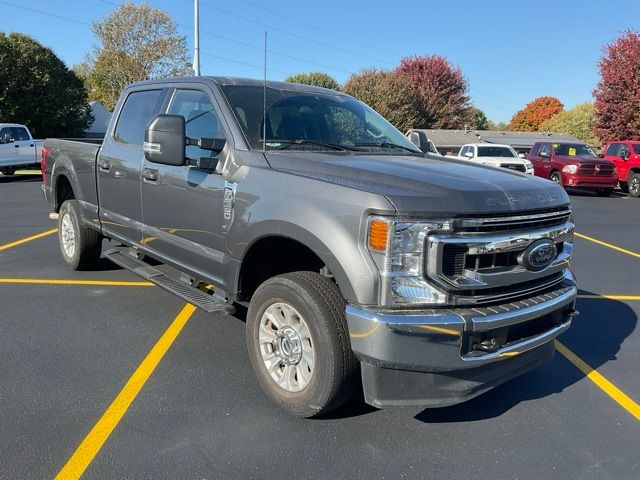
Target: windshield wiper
[
  {"x": 302, "y": 141},
  {"x": 386, "y": 145}
]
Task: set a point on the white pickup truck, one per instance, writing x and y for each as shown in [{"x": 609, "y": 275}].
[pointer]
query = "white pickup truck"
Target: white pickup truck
[
  {"x": 17, "y": 148},
  {"x": 495, "y": 155}
]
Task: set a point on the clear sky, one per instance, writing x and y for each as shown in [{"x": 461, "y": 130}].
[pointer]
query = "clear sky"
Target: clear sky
[{"x": 510, "y": 51}]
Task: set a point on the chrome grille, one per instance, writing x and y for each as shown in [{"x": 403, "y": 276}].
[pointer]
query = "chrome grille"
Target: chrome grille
[
  {"x": 479, "y": 262},
  {"x": 514, "y": 166},
  {"x": 596, "y": 169}
]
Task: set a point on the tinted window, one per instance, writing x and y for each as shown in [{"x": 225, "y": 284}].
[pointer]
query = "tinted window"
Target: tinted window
[
  {"x": 612, "y": 150},
  {"x": 20, "y": 134},
  {"x": 535, "y": 149},
  {"x": 138, "y": 110},
  {"x": 636, "y": 148},
  {"x": 573, "y": 149},
  {"x": 545, "y": 148},
  {"x": 3, "y": 132},
  {"x": 496, "y": 152},
  {"x": 201, "y": 119}
]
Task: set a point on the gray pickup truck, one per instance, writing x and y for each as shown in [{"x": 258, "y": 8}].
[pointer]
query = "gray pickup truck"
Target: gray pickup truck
[{"x": 358, "y": 257}]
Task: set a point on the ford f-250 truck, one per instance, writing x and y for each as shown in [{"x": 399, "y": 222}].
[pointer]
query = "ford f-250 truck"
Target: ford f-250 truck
[
  {"x": 360, "y": 258},
  {"x": 17, "y": 148}
]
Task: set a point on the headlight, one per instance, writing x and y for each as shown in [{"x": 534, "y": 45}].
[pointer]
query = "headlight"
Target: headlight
[
  {"x": 528, "y": 165},
  {"x": 397, "y": 248},
  {"x": 570, "y": 168}
]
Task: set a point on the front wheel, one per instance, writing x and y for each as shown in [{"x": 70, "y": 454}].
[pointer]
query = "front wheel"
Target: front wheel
[
  {"x": 298, "y": 343},
  {"x": 80, "y": 246},
  {"x": 556, "y": 177},
  {"x": 633, "y": 183}
]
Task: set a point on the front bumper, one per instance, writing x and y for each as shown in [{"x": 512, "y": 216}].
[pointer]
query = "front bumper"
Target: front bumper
[
  {"x": 429, "y": 357},
  {"x": 589, "y": 181}
]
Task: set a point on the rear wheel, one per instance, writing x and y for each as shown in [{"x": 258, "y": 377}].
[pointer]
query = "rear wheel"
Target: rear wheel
[
  {"x": 8, "y": 170},
  {"x": 604, "y": 192},
  {"x": 633, "y": 183},
  {"x": 556, "y": 177},
  {"x": 80, "y": 246},
  {"x": 298, "y": 344}
]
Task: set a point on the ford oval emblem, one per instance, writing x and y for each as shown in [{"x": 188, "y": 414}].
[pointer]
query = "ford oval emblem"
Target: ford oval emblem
[{"x": 538, "y": 255}]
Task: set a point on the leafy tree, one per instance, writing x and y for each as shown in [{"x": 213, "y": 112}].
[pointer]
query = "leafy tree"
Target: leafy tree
[
  {"x": 478, "y": 119},
  {"x": 388, "y": 93},
  {"x": 617, "y": 95},
  {"x": 534, "y": 113},
  {"x": 442, "y": 89},
  {"x": 318, "y": 79},
  {"x": 37, "y": 89},
  {"x": 135, "y": 42},
  {"x": 577, "y": 121},
  {"x": 500, "y": 126}
]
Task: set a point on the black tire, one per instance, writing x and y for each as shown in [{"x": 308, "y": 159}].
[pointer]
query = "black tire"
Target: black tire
[
  {"x": 320, "y": 303},
  {"x": 556, "y": 177},
  {"x": 633, "y": 184},
  {"x": 8, "y": 170},
  {"x": 604, "y": 192},
  {"x": 87, "y": 242}
]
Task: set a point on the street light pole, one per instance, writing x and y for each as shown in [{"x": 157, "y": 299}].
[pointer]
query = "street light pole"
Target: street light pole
[{"x": 196, "y": 38}]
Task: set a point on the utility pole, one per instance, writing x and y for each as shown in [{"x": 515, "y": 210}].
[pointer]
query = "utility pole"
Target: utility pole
[{"x": 196, "y": 38}]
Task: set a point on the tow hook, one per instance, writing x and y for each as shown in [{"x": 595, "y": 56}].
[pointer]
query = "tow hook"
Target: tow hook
[
  {"x": 573, "y": 313},
  {"x": 487, "y": 346}
]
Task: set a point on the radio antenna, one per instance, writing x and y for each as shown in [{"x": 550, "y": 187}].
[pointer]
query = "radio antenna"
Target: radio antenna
[{"x": 264, "y": 97}]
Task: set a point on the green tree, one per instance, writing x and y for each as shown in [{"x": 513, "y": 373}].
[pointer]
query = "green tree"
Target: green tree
[
  {"x": 38, "y": 90},
  {"x": 318, "y": 79},
  {"x": 500, "y": 126},
  {"x": 135, "y": 42},
  {"x": 478, "y": 119},
  {"x": 577, "y": 121},
  {"x": 388, "y": 93}
]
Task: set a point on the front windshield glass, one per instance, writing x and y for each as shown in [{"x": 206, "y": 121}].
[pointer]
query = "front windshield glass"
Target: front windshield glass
[
  {"x": 496, "y": 152},
  {"x": 312, "y": 121},
  {"x": 573, "y": 149}
]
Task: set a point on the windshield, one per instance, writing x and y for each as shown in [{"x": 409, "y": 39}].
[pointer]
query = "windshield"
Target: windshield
[
  {"x": 573, "y": 149},
  {"x": 312, "y": 121},
  {"x": 496, "y": 152}
]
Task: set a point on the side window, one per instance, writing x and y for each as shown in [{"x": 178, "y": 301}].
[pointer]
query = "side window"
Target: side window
[
  {"x": 535, "y": 150},
  {"x": 20, "y": 134},
  {"x": 138, "y": 110},
  {"x": 545, "y": 147},
  {"x": 612, "y": 150},
  {"x": 200, "y": 117},
  {"x": 3, "y": 132}
]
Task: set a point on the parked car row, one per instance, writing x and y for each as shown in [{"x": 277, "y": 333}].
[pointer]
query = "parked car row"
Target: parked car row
[{"x": 570, "y": 164}]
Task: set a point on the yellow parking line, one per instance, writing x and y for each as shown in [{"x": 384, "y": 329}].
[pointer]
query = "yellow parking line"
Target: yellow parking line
[
  {"x": 608, "y": 245},
  {"x": 28, "y": 239},
  {"x": 93, "y": 442},
  {"x": 605, "y": 385},
  {"x": 50, "y": 281},
  {"x": 612, "y": 297}
]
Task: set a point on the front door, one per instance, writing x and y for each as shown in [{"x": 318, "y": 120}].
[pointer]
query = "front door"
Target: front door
[
  {"x": 120, "y": 164},
  {"x": 26, "y": 146},
  {"x": 182, "y": 208},
  {"x": 9, "y": 152}
]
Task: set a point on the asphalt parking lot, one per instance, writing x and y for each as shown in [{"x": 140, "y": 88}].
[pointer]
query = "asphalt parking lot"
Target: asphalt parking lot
[{"x": 101, "y": 371}]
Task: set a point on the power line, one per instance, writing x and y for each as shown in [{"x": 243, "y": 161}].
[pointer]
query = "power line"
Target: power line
[
  {"x": 320, "y": 29},
  {"x": 295, "y": 35},
  {"x": 34, "y": 10}
]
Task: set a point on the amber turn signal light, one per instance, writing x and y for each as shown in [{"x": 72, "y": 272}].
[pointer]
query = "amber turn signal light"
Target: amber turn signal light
[{"x": 378, "y": 235}]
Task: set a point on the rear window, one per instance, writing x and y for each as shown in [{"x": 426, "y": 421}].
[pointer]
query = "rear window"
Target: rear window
[{"x": 138, "y": 110}]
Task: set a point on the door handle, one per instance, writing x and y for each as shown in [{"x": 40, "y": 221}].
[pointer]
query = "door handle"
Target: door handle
[
  {"x": 150, "y": 174},
  {"x": 104, "y": 165},
  {"x": 16, "y": 146},
  {"x": 31, "y": 145}
]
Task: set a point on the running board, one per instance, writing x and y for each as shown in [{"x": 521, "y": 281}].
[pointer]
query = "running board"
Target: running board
[{"x": 127, "y": 258}]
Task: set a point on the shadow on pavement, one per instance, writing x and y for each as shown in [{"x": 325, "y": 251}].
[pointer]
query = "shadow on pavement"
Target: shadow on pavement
[
  {"x": 585, "y": 338},
  {"x": 20, "y": 178}
]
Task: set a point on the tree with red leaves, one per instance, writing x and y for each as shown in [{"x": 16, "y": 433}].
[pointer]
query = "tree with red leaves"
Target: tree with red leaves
[
  {"x": 535, "y": 113},
  {"x": 442, "y": 89},
  {"x": 617, "y": 95}
]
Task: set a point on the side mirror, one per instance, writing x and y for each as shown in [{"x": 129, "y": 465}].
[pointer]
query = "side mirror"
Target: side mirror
[
  {"x": 165, "y": 140},
  {"x": 6, "y": 138},
  {"x": 522, "y": 155},
  {"x": 544, "y": 154},
  {"x": 420, "y": 140},
  {"x": 624, "y": 155},
  {"x": 601, "y": 155},
  {"x": 469, "y": 154}
]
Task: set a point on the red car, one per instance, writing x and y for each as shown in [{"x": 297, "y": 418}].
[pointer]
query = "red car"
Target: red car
[
  {"x": 574, "y": 165},
  {"x": 625, "y": 154}
]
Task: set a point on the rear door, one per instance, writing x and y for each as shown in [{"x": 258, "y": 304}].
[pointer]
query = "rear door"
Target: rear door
[
  {"x": 26, "y": 146},
  {"x": 182, "y": 208},
  {"x": 119, "y": 164}
]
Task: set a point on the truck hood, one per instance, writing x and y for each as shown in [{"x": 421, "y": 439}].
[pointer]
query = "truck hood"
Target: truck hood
[
  {"x": 426, "y": 185},
  {"x": 581, "y": 159},
  {"x": 498, "y": 160}
]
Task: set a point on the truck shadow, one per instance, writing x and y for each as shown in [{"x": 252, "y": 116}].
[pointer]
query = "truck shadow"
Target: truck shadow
[
  {"x": 20, "y": 178},
  {"x": 585, "y": 338}
]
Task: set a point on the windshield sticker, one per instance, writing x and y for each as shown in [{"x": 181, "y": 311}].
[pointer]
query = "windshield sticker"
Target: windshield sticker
[{"x": 572, "y": 152}]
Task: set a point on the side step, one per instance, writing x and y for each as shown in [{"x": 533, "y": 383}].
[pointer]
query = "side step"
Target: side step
[{"x": 126, "y": 258}]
